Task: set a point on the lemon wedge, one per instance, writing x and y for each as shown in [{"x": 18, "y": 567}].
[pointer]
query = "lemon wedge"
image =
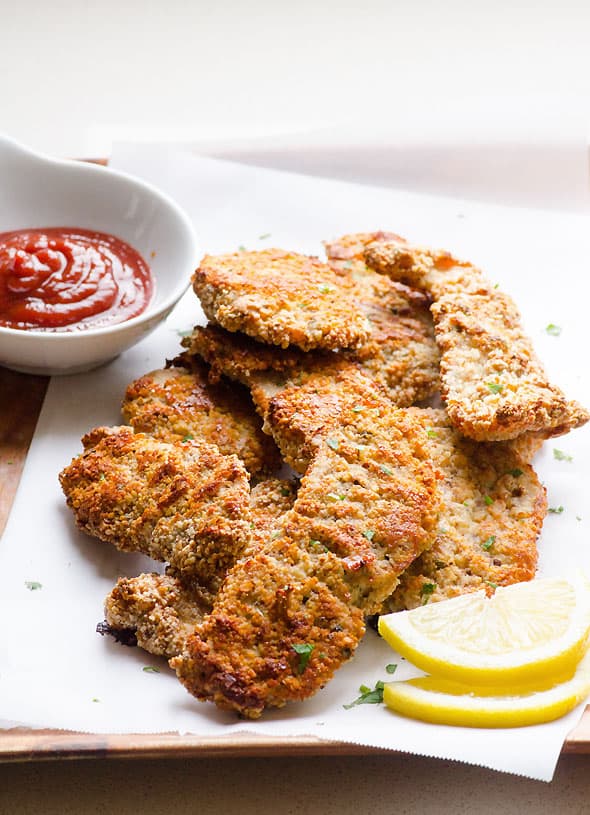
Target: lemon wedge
[
  {"x": 524, "y": 633},
  {"x": 441, "y": 701}
]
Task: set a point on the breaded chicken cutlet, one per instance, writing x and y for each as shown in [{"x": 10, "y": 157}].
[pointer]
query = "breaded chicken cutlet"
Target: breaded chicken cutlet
[
  {"x": 494, "y": 386},
  {"x": 177, "y": 404},
  {"x": 161, "y": 611},
  {"x": 400, "y": 356},
  {"x": 288, "y": 616},
  {"x": 184, "y": 504},
  {"x": 396, "y": 507},
  {"x": 281, "y": 298},
  {"x": 492, "y": 511}
]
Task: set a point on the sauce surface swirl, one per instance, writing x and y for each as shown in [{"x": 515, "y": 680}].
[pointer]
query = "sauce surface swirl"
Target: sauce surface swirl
[{"x": 69, "y": 279}]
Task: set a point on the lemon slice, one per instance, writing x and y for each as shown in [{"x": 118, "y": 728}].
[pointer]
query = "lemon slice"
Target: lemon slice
[
  {"x": 523, "y": 633},
  {"x": 442, "y": 701}
]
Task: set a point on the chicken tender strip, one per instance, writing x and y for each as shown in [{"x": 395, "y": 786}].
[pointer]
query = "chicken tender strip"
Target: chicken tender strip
[
  {"x": 401, "y": 354},
  {"x": 288, "y": 616},
  {"x": 300, "y": 396},
  {"x": 184, "y": 504},
  {"x": 346, "y": 254},
  {"x": 263, "y": 369},
  {"x": 492, "y": 511},
  {"x": 176, "y": 404},
  {"x": 281, "y": 298},
  {"x": 162, "y": 610},
  {"x": 494, "y": 386}
]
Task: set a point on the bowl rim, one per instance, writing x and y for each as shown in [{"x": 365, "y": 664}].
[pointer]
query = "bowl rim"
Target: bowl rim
[{"x": 153, "y": 309}]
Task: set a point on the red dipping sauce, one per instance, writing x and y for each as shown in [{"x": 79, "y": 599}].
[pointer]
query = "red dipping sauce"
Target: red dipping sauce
[{"x": 68, "y": 279}]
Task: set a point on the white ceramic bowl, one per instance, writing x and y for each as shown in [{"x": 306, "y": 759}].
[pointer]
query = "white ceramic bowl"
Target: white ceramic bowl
[{"x": 35, "y": 192}]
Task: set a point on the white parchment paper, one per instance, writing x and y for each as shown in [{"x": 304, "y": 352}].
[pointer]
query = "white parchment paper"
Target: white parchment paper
[{"x": 55, "y": 671}]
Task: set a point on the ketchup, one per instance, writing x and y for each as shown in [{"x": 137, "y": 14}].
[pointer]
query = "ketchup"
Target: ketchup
[{"x": 68, "y": 279}]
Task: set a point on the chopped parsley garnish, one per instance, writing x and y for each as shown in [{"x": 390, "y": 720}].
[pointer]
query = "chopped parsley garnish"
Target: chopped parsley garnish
[
  {"x": 369, "y": 534},
  {"x": 391, "y": 668},
  {"x": 487, "y": 544},
  {"x": 488, "y": 501},
  {"x": 185, "y": 333},
  {"x": 150, "y": 669},
  {"x": 33, "y": 585},
  {"x": 285, "y": 491},
  {"x": 304, "y": 651},
  {"x": 95, "y": 699},
  {"x": 324, "y": 288},
  {"x": 426, "y": 592},
  {"x": 494, "y": 387},
  {"x": 578, "y": 517},
  {"x": 516, "y": 472},
  {"x": 432, "y": 434},
  {"x": 385, "y": 469},
  {"x": 357, "y": 409},
  {"x": 556, "y": 510},
  {"x": 368, "y": 696},
  {"x": 264, "y": 237},
  {"x": 188, "y": 437},
  {"x": 333, "y": 496},
  {"x": 492, "y": 584},
  {"x": 333, "y": 444},
  {"x": 101, "y": 477},
  {"x": 553, "y": 330},
  {"x": 241, "y": 248},
  {"x": 559, "y": 455}
]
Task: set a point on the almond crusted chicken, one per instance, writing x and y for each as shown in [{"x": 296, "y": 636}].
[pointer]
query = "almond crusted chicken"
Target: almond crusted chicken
[
  {"x": 184, "y": 504},
  {"x": 491, "y": 514},
  {"x": 494, "y": 386},
  {"x": 282, "y": 298},
  {"x": 162, "y": 610},
  {"x": 177, "y": 404},
  {"x": 268, "y": 588},
  {"x": 289, "y": 615}
]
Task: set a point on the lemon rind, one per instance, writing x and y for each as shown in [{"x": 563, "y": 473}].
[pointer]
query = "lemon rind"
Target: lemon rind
[
  {"x": 536, "y": 664},
  {"x": 471, "y": 710}
]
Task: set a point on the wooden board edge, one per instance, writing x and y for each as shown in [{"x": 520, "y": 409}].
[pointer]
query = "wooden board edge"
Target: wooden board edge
[{"x": 22, "y": 745}]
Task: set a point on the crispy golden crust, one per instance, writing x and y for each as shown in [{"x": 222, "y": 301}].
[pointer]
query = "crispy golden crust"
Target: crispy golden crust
[
  {"x": 162, "y": 610},
  {"x": 269, "y": 501},
  {"x": 306, "y": 409},
  {"x": 492, "y": 511},
  {"x": 176, "y": 404},
  {"x": 281, "y": 298},
  {"x": 494, "y": 386},
  {"x": 346, "y": 253},
  {"x": 181, "y": 503},
  {"x": 262, "y": 368},
  {"x": 365, "y": 509},
  {"x": 400, "y": 355}
]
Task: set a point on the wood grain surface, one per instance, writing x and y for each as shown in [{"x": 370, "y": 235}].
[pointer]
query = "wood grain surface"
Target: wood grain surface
[{"x": 21, "y": 398}]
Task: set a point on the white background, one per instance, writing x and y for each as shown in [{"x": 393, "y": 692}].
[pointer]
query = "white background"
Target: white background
[{"x": 486, "y": 79}]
